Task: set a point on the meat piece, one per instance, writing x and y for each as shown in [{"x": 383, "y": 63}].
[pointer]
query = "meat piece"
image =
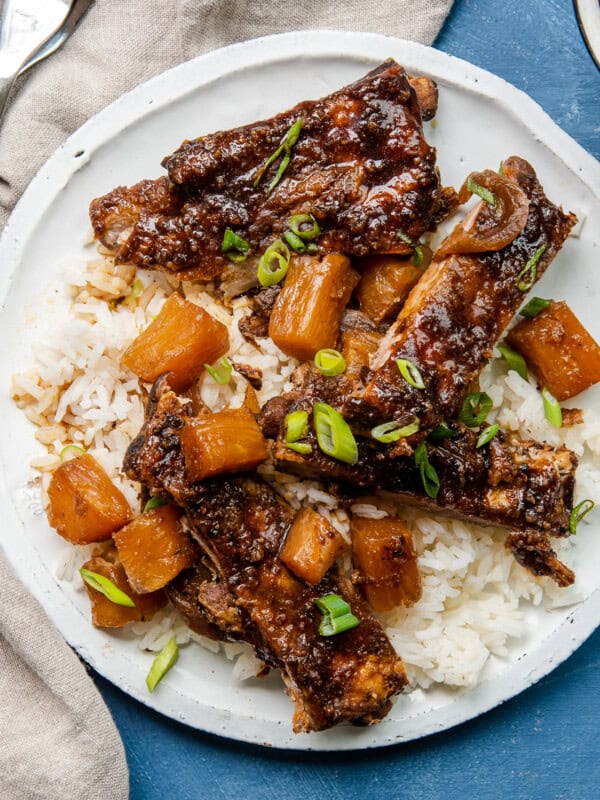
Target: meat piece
[
  {"x": 535, "y": 553},
  {"x": 205, "y": 603},
  {"x": 361, "y": 166},
  {"x": 514, "y": 484},
  {"x": 456, "y": 313},
  {"x": 240, "y": 523},
  {"x": 253, "y": 375}
]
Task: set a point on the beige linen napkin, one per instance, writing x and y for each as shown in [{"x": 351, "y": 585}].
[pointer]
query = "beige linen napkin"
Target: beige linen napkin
[{"x": 57, "y": 739}]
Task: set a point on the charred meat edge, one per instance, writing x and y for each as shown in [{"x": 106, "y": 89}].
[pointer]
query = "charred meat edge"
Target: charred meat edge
[
  {"x": 455, "y": 315},
  {"x": 240, "y": 522},
  {"x": 361, "y": 166}
]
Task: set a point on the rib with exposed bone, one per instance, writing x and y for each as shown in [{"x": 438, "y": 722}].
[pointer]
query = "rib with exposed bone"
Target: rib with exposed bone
[
  {"x": 361, "y": 166},
  {"x": 459, "y": 309},
  {"x": 240, "y": 523}
]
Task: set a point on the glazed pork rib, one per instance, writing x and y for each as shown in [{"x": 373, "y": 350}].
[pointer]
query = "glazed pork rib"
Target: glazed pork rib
[
  {"x": 240, "y": 523},
  {"x": 522, "y": 486},
  {"x": 361, "y": 166},
  {"x": 460, "y": 307}
]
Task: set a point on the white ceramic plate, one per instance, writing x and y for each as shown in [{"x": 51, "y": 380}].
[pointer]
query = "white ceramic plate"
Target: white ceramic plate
[{"x": 481, "y": 120}]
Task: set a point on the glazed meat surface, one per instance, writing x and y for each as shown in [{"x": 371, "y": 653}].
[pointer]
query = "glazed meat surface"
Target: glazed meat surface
[
  {"x": 361, "y": 166},
  {"x": 456, "y": 313},
  {"x": 518, "y": 485},
  {"x": 241, "y": 523}
]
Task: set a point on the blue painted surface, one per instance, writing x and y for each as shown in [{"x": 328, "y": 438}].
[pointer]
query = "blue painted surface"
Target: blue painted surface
[{"x": 543, "y": 744}]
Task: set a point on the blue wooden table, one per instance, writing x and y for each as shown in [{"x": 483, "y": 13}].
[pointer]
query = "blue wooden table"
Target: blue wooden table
[{"x": 544, "y": 744}]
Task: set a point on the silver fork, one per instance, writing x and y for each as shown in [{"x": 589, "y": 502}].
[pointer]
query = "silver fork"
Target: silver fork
[{"x": 32, "y": 30}]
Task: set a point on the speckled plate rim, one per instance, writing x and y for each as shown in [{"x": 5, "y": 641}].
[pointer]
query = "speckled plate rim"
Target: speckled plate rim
[{"x": 55, "y": 175}]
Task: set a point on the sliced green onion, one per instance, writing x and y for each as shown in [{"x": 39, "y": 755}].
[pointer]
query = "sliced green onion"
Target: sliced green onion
[
  {"x": 534, "y": 306},
  {"x": 296, "y": 426},
  {"x": 394, "y": 430},
  {"x": 154, "y": 502},
  {"x": 288, "y": 141},
  {"x": 162, "y": 664},
  {"x": 337, "y": 615},
  {"x": 106, "y": 587},
  {"x": 429, "y": 477},
  {"x": 500, "y": 168},
  {"x": 329, "y": 362},
  {"x": 441, "y": 432},
  {"x": 312, "y": 248},
  {"x": 303, "y": 448},
  {"x": 527, "y": 277},
  {"x": 283, "y": 165},
  {"x": 295, "y": 242},
  {"x": 298, "y": 225},
  {"x": 478, "y": 189},
  {"x": 410, "y": 373},
  {"x": 552, "y": 409},
  {"x": 222, "y": 373},
  {"x": 578, "y": 513},
  {"x": 475, "y": 409},
  {"x": 70, "y": 451},
  {"x": 235, "y": 248},
  {"x": 273, "y": 264},
  {"x": 418, "y": 251},
  {"x": 487, "y": 435},
  {"x": 334, "y": 436},
  {"x": 514, "y": 361}
]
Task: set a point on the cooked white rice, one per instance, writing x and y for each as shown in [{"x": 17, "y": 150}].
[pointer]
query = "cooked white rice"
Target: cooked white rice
[{"x": 474, "y": 592}]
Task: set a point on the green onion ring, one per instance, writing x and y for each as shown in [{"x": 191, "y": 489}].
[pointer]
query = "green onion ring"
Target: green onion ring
[
  {"x": 527, "y": 277},
  {"x": 481, "y": 191},
  {"x": 296, "y": 426},
  {"x": 294, "y": 242},
  {"x": 418, "y": 256},
  {"x": 578, "y": 513},
  {"x": 552, "y": 409},
  {"x": 299, "y": 220},
  {"x": 154, "y": 502},
  {"x": 337, "y": 615},
  {"x": 222, "y": 373},
  {"x": 514, "y": 361},
  {"x": 440, "y": 433},
  {"x": 162, "y": 664},
  {"x": 334, "y": 436},
  {"x": 533, "y": 307},
  {"x": 487, "y": 435},
  {"x": 429, "y": 476},
  {"x": 234, "y": 247},
  {"x": 410, "y": 372},
  {"x": 106, "y": 587},
  {"x": 475, "y": 409},
  {"x": 303, "y": 448},
  {"x": 70, "y": 451},
  {"x": 330, "y": 362},
  {"x": 288, "y": 141},
  {"x": 394, "y": 430},
  {"x": 273, "y": 264}
]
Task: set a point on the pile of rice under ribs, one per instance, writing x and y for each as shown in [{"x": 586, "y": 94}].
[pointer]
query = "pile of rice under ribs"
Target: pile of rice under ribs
[{"x": 357, "y": 164}]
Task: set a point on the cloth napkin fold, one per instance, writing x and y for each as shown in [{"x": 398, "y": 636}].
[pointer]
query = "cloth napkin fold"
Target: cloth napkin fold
[{"x": 57, "y": 738}]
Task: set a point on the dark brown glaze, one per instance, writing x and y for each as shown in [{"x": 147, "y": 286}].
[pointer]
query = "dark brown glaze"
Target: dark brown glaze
[
  {"x": 241, "y": 524},
  {"x": 205, "y": 603},
  {"x": 535, "y": 553},
  {"x": 510, "y": 483},
  {"x": 361, "y": 166},
  {"x": 454, "y": 316}
]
